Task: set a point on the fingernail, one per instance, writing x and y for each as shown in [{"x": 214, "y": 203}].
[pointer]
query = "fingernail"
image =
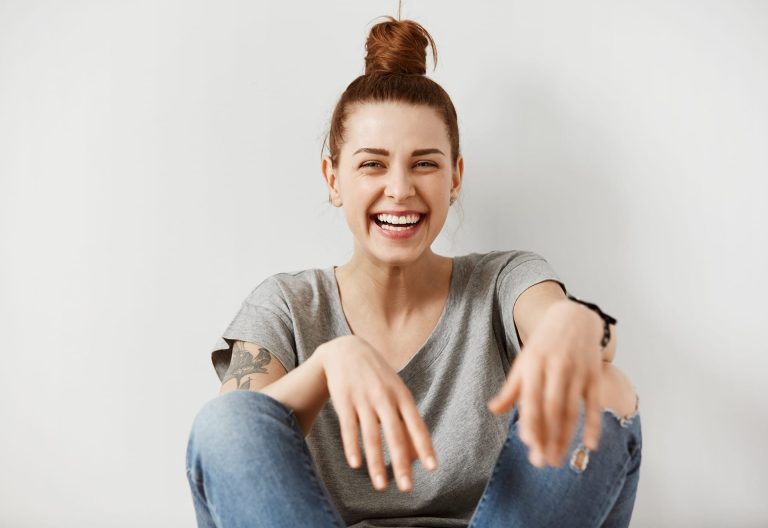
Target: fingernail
[
  {"x": 405, "y": 482},
  {"x": 379, "y": 480},
  {"x": 431, "y": 462},
  {"x": 353, "y": 460}
]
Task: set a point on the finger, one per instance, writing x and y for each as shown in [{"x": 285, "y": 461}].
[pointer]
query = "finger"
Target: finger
[
  {"x": 556, "y": 385},
  {"x": 349, "y": 432},
  {"x": 506, "y": 398},
  {"x": 530, "y": 413},
  {"x": 573, "y": 401},
  {"x": 372, "y": 445},
  {"x": 395, "y": 435},
  {"x": 593, "y": 413},
  {"x": 418, "y": 432}
]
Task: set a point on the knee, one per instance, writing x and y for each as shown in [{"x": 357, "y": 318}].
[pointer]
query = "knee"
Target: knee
[
  {"x": 219, "y": 411},
  {"x": 617, "y": 393},
  {"x": 228, "y": 419}
]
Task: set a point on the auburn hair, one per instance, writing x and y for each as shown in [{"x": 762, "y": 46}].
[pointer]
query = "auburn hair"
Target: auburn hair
[{"x": 395, "y": 70}]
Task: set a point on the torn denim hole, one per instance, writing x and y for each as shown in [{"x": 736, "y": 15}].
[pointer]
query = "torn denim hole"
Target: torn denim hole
[
  {"x": 580, "y": 455},
  {"x": 579, "y": 459},
  {"x": 625, "y": 420}
]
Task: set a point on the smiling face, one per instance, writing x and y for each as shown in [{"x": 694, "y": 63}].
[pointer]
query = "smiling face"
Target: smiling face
[{"x": 394, "y": 169}]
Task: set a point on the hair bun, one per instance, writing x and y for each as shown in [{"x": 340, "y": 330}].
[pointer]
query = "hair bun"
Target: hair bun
[{"x": 398, "y": 46}]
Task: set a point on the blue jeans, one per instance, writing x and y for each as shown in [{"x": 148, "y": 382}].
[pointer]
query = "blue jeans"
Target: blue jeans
[{"x": 249, "y": 465}]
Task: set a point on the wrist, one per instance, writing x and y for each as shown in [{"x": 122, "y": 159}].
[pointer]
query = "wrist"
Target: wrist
[
  {"x": 332, "y": 347},
  {"x": 321, "y": 354},
  {"x": 602, "y": 321}
]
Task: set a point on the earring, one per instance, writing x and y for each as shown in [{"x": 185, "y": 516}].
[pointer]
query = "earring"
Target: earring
[{"x": 453, "y": 199}]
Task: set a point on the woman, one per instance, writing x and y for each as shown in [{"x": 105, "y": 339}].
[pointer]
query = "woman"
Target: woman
[{"x": 317, "y": 364}]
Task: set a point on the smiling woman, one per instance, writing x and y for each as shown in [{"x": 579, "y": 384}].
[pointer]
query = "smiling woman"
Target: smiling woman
[
  {"x": 393, "y": 162},
  {"x": 414, "y": 345}
]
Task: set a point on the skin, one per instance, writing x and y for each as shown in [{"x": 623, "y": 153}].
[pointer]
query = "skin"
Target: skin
[{"x": 561, "y": 363}]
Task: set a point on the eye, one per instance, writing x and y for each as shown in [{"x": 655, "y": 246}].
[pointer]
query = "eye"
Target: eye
[
  {"x": 428, "y": 164},
  {"x": 371, "y": 164}
]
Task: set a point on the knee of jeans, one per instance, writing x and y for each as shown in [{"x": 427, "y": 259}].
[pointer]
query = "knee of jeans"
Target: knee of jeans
[
  {"x": 619, "y": 434},
  {"x": 625, "y": 420},
  {"x": 226, "y": 417}
]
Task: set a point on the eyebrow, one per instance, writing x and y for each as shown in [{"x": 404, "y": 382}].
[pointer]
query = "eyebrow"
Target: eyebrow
[{"x": 385, "y": 152}]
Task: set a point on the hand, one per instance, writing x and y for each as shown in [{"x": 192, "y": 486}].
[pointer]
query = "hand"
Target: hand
[
  {"x": 365, "y": 389},
  {"x": 559, "y": 366}
]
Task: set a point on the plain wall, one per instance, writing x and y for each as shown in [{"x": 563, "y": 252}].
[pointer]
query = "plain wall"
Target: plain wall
[{"x": 158, "y": 159}]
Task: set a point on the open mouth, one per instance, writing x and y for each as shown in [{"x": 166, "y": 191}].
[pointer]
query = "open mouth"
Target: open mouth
[{"x": 398, "y": 223}]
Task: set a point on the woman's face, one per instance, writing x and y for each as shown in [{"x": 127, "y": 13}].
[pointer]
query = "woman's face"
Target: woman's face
[{"x": 395, "y": 160}]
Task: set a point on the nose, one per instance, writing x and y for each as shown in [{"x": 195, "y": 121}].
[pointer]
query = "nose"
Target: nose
[{"x": 399, "y": 184}]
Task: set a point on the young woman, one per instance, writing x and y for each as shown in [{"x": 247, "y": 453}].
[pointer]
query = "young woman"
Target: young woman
[{"x": 476, "y": 365}]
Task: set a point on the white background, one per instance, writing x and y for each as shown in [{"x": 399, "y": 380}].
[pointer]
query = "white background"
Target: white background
[{"x": 158, "y": 159}]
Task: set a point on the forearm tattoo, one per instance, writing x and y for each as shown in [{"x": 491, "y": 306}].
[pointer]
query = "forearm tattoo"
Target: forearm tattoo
[{"x": 244, "y": 363}]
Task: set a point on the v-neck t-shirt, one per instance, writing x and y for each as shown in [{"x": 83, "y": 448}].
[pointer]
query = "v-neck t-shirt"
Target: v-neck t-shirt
[{"x": 462, "y": 364}]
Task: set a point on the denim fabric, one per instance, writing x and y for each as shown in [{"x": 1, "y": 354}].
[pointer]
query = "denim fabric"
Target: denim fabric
[{"x": 248, "y": 464}]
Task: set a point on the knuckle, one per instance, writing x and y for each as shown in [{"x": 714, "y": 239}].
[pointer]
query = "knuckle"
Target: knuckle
[
  {"x": 401, "y": 462},
  {"x": 347, "y": 420},
  {"x": 404, "y": 396},
  {"x": 422, "y": 441},
  {"x": 372, "y": 435},
  {"x": 530, "y": 413},
  {"x": 348, "y": 436},
  {"x": 378, "y": 393},
  {"x": 571, "y": 412},
  {"x": 553, "y": 404},
  {"x": 374, "y": 459},
  {"x": 395, "y": 437}
]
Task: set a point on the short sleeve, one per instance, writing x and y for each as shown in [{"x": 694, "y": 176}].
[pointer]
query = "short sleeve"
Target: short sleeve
[
  {"x": 264, "y": 318},
  {"x": 522, "y": 271}
]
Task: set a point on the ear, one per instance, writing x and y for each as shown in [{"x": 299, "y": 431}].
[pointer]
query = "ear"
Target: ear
[
  {"x": 458, "y": 172},
  {"x": 329, "y": 175}
]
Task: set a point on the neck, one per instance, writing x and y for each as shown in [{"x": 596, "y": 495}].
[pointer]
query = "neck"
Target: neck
[{"x": 394, "y": 291}]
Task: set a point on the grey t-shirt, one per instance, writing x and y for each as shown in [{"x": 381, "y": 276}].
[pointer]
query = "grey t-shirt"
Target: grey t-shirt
[{"x": 462, "y": 364}]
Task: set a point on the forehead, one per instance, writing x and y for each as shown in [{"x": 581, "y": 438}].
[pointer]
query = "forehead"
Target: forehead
[{"x": 389, "y": 125}]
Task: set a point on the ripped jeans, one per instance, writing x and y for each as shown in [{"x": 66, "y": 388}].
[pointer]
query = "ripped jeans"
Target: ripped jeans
[{"x": 249, "y": 465}]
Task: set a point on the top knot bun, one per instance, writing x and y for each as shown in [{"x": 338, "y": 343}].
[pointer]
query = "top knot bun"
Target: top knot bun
[{"x": 398, "y": 46}]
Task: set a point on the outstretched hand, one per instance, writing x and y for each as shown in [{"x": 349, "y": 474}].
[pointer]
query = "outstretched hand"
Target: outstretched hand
[{"x": 560, "y": 366}]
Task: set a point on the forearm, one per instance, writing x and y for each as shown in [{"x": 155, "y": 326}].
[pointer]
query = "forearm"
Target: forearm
[{"x": 304, "y": 389}]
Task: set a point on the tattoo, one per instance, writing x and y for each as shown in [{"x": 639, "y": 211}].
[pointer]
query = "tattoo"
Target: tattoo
[{"x": 244, "y": 363}]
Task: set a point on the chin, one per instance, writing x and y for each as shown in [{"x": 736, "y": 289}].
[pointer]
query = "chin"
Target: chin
[{"x": 398, "y": 256}]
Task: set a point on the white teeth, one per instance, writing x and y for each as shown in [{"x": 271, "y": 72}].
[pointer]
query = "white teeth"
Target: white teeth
[
  {"x": 387, "y": 227},
  {"x": 392, "y": 219}
]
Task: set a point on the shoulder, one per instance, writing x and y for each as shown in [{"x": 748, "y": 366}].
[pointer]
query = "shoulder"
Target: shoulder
[
  {"x": 497, "y": 262},
  {"x": 290, "y": 287}
]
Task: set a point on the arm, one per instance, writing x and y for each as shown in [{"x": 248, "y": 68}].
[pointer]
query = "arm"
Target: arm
[
  {"x": 561, "y": 366},
  {"x": 533, "y": 303},
  {"x": 250, "y": 368},
  {"x": 303, "y": 389}
]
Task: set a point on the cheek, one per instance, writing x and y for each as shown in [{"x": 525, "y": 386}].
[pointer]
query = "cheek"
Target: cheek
[{"x": 356, "y": 218}]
